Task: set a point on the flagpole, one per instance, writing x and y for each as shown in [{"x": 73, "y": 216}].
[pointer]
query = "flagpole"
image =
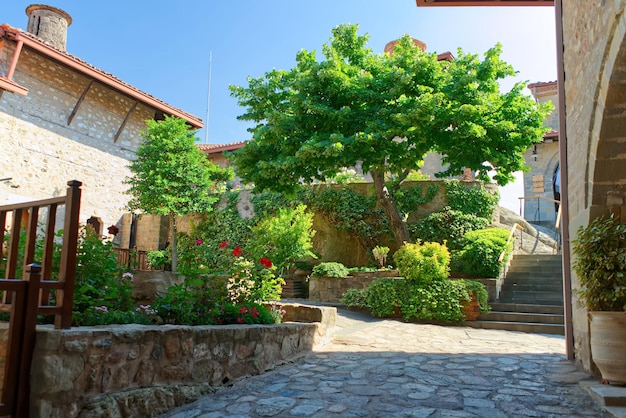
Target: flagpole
[{"x": 208, "y": 101}]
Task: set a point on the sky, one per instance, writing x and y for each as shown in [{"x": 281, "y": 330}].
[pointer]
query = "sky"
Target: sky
[{"x": 172, "y": 50}]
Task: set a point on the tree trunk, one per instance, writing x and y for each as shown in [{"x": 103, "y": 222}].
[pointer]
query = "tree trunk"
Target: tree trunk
[
  {"x": 174, "y": 243},
  {"x": 385, "y": 199}
]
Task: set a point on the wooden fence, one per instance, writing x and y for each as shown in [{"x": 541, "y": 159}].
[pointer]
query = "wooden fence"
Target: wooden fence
[{"x": 40, "y": 290}]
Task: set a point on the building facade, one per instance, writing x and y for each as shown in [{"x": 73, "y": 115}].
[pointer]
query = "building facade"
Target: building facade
[{"x": 62, "y": 119}]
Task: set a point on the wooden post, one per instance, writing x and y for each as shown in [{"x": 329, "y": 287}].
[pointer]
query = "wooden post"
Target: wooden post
[
  {"x": 32, "y": 276},
  {"x": 65, "y": 297}
]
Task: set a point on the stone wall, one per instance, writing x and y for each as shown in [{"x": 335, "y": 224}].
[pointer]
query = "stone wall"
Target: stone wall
[
  {"x": 137, "y": 370},
  {"x": 41, "y": 151},
  {"x": 330, "y": 289},
  {"x": 595, "y": 93}
]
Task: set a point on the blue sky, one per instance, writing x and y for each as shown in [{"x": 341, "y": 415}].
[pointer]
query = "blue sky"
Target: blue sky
[{"x": 163, "y": 47}]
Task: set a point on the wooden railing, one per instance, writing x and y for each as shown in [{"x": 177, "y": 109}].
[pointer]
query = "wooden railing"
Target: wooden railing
[
  {"x": 28, "y": 296},
  {"x": 132, "y": 259}
]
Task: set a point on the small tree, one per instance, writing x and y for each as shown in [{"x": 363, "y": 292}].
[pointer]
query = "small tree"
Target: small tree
[
  {"x": 171, "y": 176},
  {"x": 386, "y": 112}
]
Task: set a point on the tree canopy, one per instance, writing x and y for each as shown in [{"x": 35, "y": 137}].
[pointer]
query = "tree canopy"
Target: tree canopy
[
  {"x": 171, "y": 176},
  {"x": 385, "y": 111}
]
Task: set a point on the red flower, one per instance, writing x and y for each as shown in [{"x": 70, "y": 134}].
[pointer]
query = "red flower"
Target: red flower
[
  {"x": 243, "y": 310},
  {"x": 265, "y": 262},
  {"x": 255, "y": 312},
  {"x": 113, "y": 230},
  {"x": 199, "y": 241},
  {"x": 240, "y": 320},
  {"x": 237, "y": 251},
  {"x": 223, "y": 244}
]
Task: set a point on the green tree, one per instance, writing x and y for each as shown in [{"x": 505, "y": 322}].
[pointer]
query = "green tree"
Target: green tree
[
  {"x": 171, "y": 176},
  {"x": 386, "y": 111}
]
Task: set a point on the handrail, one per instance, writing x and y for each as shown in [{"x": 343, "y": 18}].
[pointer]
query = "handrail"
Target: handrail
[
  {"x": 508, "y": 241},
  {"x": 558, "y": 214}
]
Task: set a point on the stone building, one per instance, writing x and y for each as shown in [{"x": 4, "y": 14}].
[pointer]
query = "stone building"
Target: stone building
[
  {"x": 63, "y": 119},
  {"x": 542, "y": 182}
]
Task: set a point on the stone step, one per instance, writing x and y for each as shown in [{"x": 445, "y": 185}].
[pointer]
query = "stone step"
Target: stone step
[
  {"x": 538, "y": 257},
  {"x": 531, "y": 287},
  {"x": 530, "y": 294},
  {"x": 532, "y": 327},
  {"x": 529, "y": 301},
  {"x": 540, "y": 318},
  {"x": 544, "y": 269},
  {"x": 518, "y": 275},
  {"x": 526, "y": 308}
]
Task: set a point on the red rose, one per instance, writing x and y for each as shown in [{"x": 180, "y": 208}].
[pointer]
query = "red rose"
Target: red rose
[
  {"x": 265, "y": 262},
  {"x": 237, "y": 251},
  {"x": 223, "y": 244},
  {"x": 199, "y": 242}
]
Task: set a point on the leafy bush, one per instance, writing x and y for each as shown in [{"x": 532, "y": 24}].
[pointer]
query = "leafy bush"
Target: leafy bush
[
  {"x": 474, "y": 200},
  {"x": 434, "y": 301},
  {"x": 447, "y": 226},
  {"x": 409, "y": 199},
  {"x": 285, "y": 237},
  {"x": 384, "y": 295},
  {"x": 355, "y": 298},
  {"x": 99, "y": 280},
  {"x": 600, "y": 263},
  {"x": 330, "y": 269},
  {"x": 423, "y": 262},
  {"x": 481, "y": 251}
]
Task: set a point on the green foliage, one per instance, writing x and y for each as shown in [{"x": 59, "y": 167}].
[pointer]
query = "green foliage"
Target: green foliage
[
  {"x": 433, "y": 301},
  {"x": 157, "y": 259},
  {"x": 267, "y": 203},
  {"x": 170, "y": 174},
  {"x": 101, "y": 315},
  {"x": 408, "y": 200},
  {"x": 384, "y": 295},
  {"x": 353, "y": 213},
  {"x": 285, "y": 237},
  {"x": 473, "y": 200},
  {"x": 447, "y": 226},
  {"x": 417, "y": 175},
  {"x": 481, "y": 251},
  {"x": 321, "y": 116},
  {"x": 346, "y": 176},
  {"x": 423, "y": 262},
  {"x": 99, "y": 280},
  {"x": 599, "y": 263},
  {"x": 330, "y": 269},
  {"x": 355, "y": 298}
]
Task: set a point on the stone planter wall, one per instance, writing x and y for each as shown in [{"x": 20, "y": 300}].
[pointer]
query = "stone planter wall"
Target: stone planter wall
[
  {"x": 330, "y": 289},
  {"x": 137, "y": 370}
]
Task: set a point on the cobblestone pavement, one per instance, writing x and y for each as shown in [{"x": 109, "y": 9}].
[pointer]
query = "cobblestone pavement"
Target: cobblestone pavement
[{"x": 386, "y": 368}]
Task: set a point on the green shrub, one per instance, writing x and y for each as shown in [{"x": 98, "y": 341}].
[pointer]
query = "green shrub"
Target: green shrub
[
  {"x": 433, "y": 301},
  {"x": 423, "y": 262},
  {"x": 447, "y": 226},
  {"x": 330, "y": 269},
  {"x": 600, "y": 263},
  {"x": 355, "y": 298},
  {"x": 481, "y": 251},
  {"x": 409, "y": 199},
  {"x": 285, "y": 237},
  {"x": 439, "y": 301},
  {"x": 472, "y": 199},
  {"x": 383, "y": 296}
]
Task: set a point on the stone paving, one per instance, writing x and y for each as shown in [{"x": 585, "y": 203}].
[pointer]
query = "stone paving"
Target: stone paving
[{"x": 387, "y": 368}]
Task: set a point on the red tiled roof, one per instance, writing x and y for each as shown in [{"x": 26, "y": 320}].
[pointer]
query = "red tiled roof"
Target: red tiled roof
[
  {"x": 552, "y": 135},
  {"x": 215, "y": 148},
  {"x": 93, "y": 72},
  {"x": 542, "y": 84}
]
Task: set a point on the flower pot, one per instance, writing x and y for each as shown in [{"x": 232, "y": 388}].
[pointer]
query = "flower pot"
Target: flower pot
[
  {"x": 608, "y": 344},
  {"x": 471, "y": 308}
]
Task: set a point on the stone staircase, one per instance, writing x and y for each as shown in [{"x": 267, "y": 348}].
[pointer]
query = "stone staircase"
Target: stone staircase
[{"x": 531, "y": 297}]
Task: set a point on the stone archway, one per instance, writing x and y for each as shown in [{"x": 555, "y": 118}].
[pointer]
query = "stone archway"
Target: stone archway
[{"x": 596, "y": 133}]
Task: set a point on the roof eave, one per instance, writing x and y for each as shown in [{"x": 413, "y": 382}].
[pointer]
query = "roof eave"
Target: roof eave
[{"x": 104, "y": 78}]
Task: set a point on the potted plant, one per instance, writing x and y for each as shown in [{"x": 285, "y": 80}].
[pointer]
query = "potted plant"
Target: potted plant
[{"x": 600, "y": 264}]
